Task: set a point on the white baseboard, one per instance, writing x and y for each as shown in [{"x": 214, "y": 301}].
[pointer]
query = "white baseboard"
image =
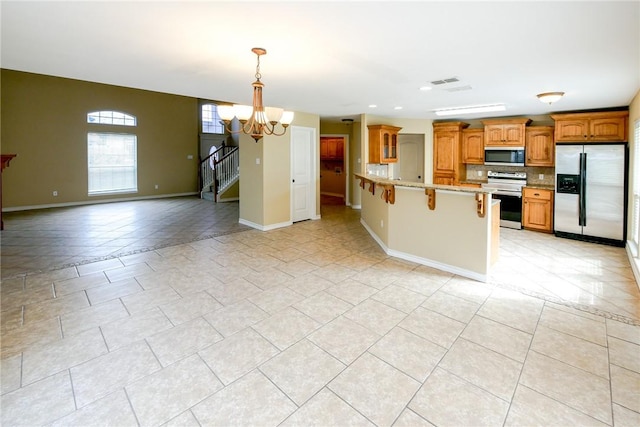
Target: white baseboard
[
  {"x": 95, "y": 202},
  {"x": 635, "y": 265},
  {"x": 324, "y": 193},
  {"x": 356, "y": 207},
  {"x": 264, "y": 227},
  {"x": 230, "y": 199}
]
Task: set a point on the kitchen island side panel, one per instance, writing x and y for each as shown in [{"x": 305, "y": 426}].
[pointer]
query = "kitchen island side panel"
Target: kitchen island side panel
[{"x": 452, "y": 237}]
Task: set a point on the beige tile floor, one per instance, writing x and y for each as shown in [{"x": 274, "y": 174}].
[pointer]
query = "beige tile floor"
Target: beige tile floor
[{"x": 308, "y": 325}]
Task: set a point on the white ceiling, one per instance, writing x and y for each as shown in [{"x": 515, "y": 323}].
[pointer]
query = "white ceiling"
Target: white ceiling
[{"x": 336, "y": 58}]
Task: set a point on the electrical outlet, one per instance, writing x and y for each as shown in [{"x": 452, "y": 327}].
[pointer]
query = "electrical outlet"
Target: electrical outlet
[
  {"x": 55, "y": 193},
  {"x": 156, "y": 186},
  {"x": 257, "y": 160},
  {"x": 382, "y": 223},
  {"x": 541, "y": 176},
  {"x": 190, "y": 157},
  {"x": 479, "y": 173}
]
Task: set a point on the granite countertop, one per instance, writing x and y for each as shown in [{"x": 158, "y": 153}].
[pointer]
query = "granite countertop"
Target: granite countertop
[{"x": 411, "y": 184}]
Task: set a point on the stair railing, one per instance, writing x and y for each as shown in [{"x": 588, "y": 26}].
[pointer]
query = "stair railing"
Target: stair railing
[{"x": 225, "y": 170}]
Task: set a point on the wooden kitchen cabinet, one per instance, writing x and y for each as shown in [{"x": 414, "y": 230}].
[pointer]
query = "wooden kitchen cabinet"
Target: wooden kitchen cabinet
[
  {"x": 331, "y": 148},
  {"x": 605, "y": 126},
  {"x": 383, "y": 143},
  {"x": 473, "y": 146},
  {"x": 537, "y": 209},
  {"x": 448, "y": 167},
  {"x": 505, "y": 132},
  {"x": 443, "y": 180},
  {"x": 539, "y": 146}
]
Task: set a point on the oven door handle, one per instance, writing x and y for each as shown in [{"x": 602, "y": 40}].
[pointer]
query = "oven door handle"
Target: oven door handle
[{"x": 501, "y": 193}]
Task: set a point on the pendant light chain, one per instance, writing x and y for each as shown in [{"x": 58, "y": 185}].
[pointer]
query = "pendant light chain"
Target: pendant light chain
[{"x": 258, "y": 75}]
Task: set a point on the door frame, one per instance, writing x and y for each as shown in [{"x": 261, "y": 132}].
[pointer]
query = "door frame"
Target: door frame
[
  {"x": 314, "y": 182},
  {"x": 345, "y": 165}
]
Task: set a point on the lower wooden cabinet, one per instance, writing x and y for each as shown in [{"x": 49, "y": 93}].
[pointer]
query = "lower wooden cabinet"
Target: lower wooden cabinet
[{"x": 537, "y": 209}]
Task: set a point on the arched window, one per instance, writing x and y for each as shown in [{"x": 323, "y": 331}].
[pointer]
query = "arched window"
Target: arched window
[{"x": 111, "y": 118}]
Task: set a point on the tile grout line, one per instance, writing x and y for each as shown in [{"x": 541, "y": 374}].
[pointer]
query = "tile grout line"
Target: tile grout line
[
  {"x": 606, "y": 335},
  {"x": 524, "y": 362},
  {"x": 124, "y": 389}
]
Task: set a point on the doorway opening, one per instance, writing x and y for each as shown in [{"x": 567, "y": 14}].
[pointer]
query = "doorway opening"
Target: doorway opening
[{"x": 334, "y": 169}]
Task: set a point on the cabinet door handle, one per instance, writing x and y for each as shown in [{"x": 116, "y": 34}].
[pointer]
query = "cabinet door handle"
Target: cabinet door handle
[{"x": 536, "y": 194}]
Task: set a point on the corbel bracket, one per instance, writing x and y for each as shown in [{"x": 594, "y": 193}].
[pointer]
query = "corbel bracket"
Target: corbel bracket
[
  {"x": 431, "y": 197},
  {"x": 372, "y": 187},
  {"x": 389, "y": 193},
  {"x": 481, "y": 204}
]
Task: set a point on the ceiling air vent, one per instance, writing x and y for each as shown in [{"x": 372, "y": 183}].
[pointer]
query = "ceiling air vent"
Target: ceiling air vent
[{"x": 445, "y": 81}]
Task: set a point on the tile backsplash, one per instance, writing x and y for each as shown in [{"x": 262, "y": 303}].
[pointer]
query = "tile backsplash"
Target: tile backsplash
[{"x": 533, "y": 173}]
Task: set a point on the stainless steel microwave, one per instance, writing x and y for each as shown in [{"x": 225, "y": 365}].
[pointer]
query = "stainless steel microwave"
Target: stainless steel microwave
[{"x": 504, "y": 156}]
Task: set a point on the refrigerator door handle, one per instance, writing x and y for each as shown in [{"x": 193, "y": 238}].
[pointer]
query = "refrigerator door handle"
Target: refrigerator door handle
[{"x": 583, "y": 190}]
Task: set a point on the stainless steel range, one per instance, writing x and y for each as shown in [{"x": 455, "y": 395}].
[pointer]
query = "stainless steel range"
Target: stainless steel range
[{"x": 508, "y": 189}]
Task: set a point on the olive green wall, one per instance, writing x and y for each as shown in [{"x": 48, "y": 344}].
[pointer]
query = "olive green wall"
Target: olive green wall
[{"x": 44, "y": 122}]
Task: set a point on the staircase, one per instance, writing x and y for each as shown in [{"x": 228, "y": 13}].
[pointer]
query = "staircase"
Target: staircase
[{"x": 219, "y": 171}]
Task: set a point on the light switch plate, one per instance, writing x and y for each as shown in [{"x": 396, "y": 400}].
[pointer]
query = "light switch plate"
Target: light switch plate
[{"x": 541, "y": 176}]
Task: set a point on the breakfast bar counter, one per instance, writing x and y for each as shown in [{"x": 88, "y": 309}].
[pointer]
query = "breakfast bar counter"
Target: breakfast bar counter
[{"x": 455, "y": 229}]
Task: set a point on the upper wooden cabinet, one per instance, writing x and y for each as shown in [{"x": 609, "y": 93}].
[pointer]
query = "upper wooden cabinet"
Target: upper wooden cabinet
[
  {"x": 448, "y": 168},
  {"x": 383, "y": 143},
  {"x": 331, "y": 148},
  {"x": 606, "y": 126},
  {"x": 473, "y": 146},
  {"x": 539, "y": 147},
  {"x": 505, "y": 132}
]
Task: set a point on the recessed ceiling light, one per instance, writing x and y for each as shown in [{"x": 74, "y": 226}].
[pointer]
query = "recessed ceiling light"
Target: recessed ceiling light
[
  {"x": 397, "y": 108},
  {"x": 470, "y": 109},
  {"x": 425, "y": 88},
  {"x": 372, "y": 105}
]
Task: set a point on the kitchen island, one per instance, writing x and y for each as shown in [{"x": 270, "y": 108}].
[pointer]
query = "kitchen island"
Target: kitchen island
[{"x": 455, "y": 229}]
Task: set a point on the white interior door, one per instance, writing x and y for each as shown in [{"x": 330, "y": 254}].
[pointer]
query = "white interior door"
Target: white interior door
[
  {"x": 303, "y": 172},
  {"x": 410, "y": 158}
]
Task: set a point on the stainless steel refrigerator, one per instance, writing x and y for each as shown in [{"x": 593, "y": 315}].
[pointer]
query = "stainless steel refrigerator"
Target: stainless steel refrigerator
[{"x": 590, "y": 198}]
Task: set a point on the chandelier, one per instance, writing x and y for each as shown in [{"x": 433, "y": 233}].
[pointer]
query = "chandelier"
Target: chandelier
[{"x": 256, "y": 120}]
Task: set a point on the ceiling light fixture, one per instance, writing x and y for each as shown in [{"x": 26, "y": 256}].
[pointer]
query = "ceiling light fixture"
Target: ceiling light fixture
[
  {"x": 550, "y": 97},
  {"x": 470, "y": 110},
  {"x": 256, "y": 120}
]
